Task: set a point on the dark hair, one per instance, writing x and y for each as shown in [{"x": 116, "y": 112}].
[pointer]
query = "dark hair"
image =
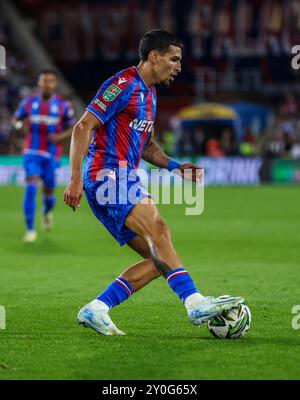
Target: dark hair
[
  {"x": 157, "y": 39},
  {"x": 48, "y": 71}
]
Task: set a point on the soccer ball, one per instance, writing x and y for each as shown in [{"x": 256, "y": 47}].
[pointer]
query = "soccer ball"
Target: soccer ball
[{"x": 231, "y": 324}]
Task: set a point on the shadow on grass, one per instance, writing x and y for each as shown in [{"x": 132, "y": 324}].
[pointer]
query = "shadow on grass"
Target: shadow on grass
[
  {"x": 43, "y": 246},
  {"x": 245, "y": 340}
]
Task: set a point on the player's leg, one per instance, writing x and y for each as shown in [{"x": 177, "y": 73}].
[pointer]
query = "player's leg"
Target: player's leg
[
  {"x": 149, "y": 244},
  {"x": 95, "y": 314},
  {"x": 145, "y": 220},
  {"x": 130, "y": 281},
  {"x": 152, "y": 231},
  {"x": 140, "y": 274},
  {"x": 49, "y": 199},
  {"x": 133, "y": 278},
  {"x": 143, "y": 272},
  {"x": 32, "y": 173},
  {"x": 199, "y": 308}
]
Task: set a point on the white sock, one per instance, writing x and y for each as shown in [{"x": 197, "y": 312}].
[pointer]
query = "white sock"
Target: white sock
[
  {"x": 193, "y": 300},
  {"x": 98, "y": 305}
]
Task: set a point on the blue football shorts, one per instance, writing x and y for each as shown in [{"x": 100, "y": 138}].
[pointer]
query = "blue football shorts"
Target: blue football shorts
[
  {"x": 111, "y": 199},
  {"x": 42, "y": 167}
]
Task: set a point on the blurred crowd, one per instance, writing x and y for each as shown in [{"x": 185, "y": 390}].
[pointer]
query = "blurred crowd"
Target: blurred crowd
[
  {"x": 83, "y": 30},
  {"x": 74, "y": 29},
  {"x": 282, "y": 139},
  {"x": 213, "y": 32},
  {"x": 247, "y": 37},
  {"x": 15, "y": 83}
]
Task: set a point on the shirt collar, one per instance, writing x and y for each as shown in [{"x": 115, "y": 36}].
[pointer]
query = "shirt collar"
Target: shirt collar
[{"x": 140, "y": 77}]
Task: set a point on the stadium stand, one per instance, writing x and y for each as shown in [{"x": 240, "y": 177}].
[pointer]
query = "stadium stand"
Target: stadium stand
[
  {"x": 235, "y": 51},
  {"x": 15, "y": 83}
]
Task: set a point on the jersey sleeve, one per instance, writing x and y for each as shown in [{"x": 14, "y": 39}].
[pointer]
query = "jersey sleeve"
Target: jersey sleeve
[
  {"x": 68, "y": 116},
  {"x": 110, "y": 99},
  {"x": 23, "y": 109}
]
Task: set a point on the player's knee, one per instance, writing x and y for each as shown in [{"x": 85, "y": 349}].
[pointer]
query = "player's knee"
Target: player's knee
[
  {"x": 33, "y": 180},
  {"x": 48, "y": 191},
  {"x": 160, "y": 231}
]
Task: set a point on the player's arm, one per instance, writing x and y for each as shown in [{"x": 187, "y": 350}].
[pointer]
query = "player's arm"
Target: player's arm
[
  {"x": 78, "y": 149},
  {"x": 67, "y": 124},
  {"x": 60, "y": 137},
  {"x": 20, "y": 115},
  {"x": 16, "y": 123},
  {"x": 155, "y": 155}
]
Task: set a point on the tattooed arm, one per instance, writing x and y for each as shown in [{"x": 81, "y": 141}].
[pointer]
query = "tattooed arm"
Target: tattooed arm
[{"x": 154, "y": 154}]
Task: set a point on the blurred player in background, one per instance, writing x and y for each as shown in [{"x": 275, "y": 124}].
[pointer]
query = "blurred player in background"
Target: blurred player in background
[
  {"x": 48, "y": 120},
  {"x": 122, "y": 115}
]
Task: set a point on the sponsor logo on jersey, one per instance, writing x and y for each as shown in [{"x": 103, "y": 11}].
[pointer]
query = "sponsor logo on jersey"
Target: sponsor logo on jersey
[
  {"x": 111, "y": 92},
  {"x": 44, "y": 119},
  {"x": 100, "y": 104},
  {"x": 142, "y": 125}
]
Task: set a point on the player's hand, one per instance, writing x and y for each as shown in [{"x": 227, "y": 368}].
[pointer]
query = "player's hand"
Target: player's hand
[
  {"x": 53, "y": 138},
  {"x": 73, "y": 194},
  {"x": 192, "y": 172}
]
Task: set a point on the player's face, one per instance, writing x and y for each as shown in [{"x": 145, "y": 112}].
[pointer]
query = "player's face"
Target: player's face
[
  {"x": 47, "y": 83},
  {"x": 168, "y": 66}
]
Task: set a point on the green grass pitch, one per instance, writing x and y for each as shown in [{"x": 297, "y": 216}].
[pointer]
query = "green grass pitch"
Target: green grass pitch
[{"x": 245, "y": 243}]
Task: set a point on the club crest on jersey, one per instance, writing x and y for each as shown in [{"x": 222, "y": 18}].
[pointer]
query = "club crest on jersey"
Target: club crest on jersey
[
  {"x": 54, "y": 109},
  {"x": 111, "y": 92},
  {"x": 142, "y": 125}
]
